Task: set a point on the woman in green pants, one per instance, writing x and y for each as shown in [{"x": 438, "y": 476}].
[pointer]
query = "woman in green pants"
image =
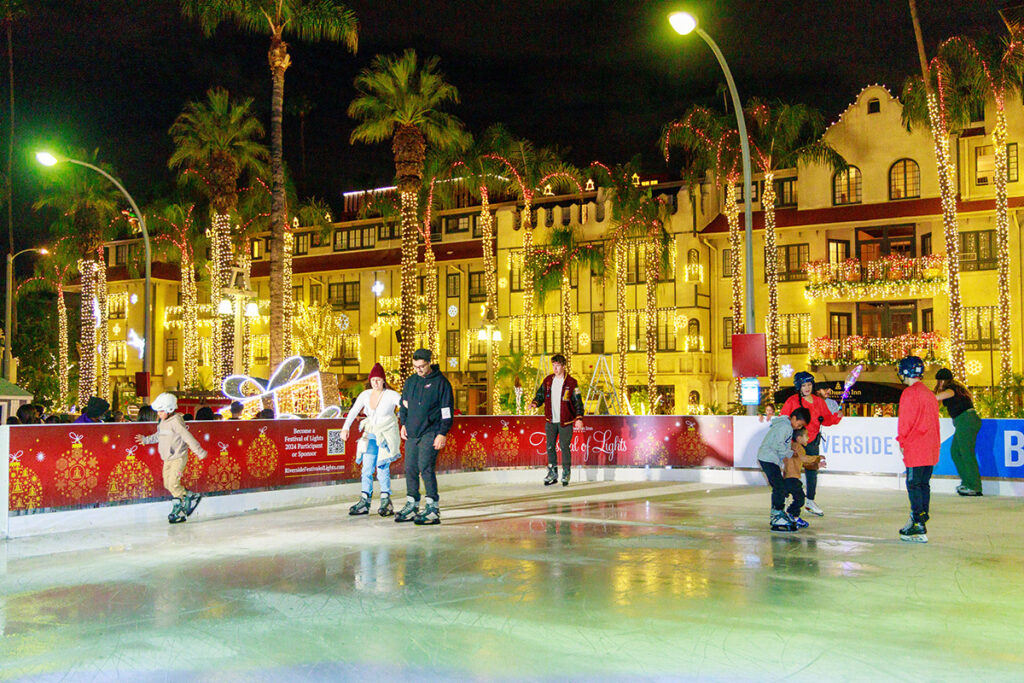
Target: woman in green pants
[{"x": 957, "y": 399}]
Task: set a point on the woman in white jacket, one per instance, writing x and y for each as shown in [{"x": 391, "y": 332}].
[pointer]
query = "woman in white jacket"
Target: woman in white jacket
[{"x": 380, "y": 443}]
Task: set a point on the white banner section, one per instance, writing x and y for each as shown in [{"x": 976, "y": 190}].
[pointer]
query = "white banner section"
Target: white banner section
[{"x": 859, "y": 445}]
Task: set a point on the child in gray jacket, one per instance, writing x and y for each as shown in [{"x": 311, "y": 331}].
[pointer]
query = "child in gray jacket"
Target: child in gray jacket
[
  {"x": 173, "y": 442},
  {"x": 776, "y": 447}
]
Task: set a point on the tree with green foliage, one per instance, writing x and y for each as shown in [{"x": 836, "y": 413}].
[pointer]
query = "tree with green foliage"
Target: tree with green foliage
[
  {"x": 399, "y": 99},
  {"x": 308, "y": 20}
]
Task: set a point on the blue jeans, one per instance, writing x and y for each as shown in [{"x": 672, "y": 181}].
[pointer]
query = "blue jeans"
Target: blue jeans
[{"x": 370, "y": 458}]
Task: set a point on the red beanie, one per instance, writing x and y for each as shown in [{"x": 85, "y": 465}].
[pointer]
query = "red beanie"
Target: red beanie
[{"x": 378, "y": 371}]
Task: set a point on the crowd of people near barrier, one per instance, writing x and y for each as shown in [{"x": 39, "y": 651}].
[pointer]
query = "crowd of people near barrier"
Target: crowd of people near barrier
[{"x": 421, "y": 416}]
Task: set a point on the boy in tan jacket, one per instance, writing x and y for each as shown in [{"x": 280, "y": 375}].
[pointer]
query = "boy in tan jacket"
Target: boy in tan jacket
[{"x": 173, "y": 441}]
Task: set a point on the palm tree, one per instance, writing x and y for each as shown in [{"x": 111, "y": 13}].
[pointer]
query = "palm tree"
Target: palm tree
[
  {"x": 551, "y": 267},
  {"x": 87, "y": 203},
  {"x": 639, "y": 220},
  {"x": 176, "y": 236},
  {"x": 55, "y": 274},
  {"x": 982, "y": 72},
  {"x": 309, "y": 20},
  {"x": 945, "y": 114},
  {"x": 216, "y": 143},
  {"x": 782, "y": 136},
  {"x": 515, "y": 370},
  {"x": 400, "y": 100}
]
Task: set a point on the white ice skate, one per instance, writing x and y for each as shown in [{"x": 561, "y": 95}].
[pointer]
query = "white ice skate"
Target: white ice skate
[{"x": 813, "y": 508}]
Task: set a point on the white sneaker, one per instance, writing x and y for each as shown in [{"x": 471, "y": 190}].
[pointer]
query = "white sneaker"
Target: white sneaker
[{"x": 813, "y": 508}]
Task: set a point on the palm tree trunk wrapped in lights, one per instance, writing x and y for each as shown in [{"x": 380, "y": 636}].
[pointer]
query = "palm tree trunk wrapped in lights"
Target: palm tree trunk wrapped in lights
[
  {"x": 732, "y": 216},
  {"x": 63, "y": 364},
  {"x": 771, "y": 273},
  {"x": 430, "y": 286},
  {"x": 87, "y": 349},
  {"x": 621, "y": 323},
  {"x": 490, "y": 286},
  {"x": 526, "y": 226},
  {"x": 289, "y": 299},
  {"x": 651, "y": 266},
  {"x": 410, "y": 248},
  {"x": 102, "y": 334}
]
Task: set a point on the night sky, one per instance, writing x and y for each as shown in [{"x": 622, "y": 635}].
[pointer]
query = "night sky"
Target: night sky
[{"x": 599, "y": 78}]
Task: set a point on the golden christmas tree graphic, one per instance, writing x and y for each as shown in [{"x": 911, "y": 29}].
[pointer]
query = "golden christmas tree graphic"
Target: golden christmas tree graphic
[
  {"x": 474, "y": 457},
  {"x": 261, "y": 457},
  {"x": 651, "y": 451},
  {"x": 26, "y": 491},
  {"x": 77, "y": 470},
  {"x": 506, "y": 445},
  {"x": 130, "y": 479},
  {"x": 224, "y": 473}
]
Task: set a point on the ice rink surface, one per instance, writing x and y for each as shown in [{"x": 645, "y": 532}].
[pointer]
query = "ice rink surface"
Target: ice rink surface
[{"x": 597, "y": 581}]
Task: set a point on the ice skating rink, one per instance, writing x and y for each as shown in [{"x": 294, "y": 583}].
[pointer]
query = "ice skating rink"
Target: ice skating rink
[{"x": 608, "y": 581}]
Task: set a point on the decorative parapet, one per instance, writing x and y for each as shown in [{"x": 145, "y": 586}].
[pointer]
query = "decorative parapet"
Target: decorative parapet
[
  {"x": 858, "y": 350},
  {"x": 893, "y": 276}
]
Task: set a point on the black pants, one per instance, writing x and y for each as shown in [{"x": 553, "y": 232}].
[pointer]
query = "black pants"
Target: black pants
[
  {"x": 775, "y": 480},
  {"x": 919, "y": 489},
  {"x": 795, "y": 488},
  {"x": 812, "y": 448},
  {"x": 564, "y": 436},
  {"x": 420, "y": 457}
]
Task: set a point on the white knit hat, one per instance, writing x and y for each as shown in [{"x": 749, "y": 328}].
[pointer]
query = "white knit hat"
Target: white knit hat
[{"x": 165, "y": 403}]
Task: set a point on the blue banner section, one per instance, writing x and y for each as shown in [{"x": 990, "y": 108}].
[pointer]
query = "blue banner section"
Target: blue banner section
[{"x": 1000, "y": 450}]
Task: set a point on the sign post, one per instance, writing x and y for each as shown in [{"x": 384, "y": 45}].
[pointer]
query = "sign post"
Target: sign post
[{"x": 749, "y": 361}]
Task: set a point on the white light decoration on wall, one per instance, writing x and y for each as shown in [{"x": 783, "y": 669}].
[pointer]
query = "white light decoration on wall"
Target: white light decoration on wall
[
  {"x": 343, "y": 322},
  {"x": 786, "y": 370},
  {"x": 136, "y": 342},
  {"x": 453, "y": 311},
  {"x": 378, "y": 288},
  {"x": 133, "y": 299},
  {"x": 974, "y": 367}
]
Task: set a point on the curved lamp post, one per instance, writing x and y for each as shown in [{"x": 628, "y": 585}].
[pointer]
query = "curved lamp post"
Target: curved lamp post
[
  {"x": 8, "y": 303},
  {"x": 685, "y": 23},
  {"x": 48, "y": 159}
]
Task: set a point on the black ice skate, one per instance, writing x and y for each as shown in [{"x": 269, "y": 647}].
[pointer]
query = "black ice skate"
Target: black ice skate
[
  {"x": 914, "y": 532},
  {"x": 192, "y": 499},
  {"x": 430, "y": 515},
  {"x": 565, "y": 476},
  {"x": 780, "y": 521},
  {"x": 552, "y": 477},
  {"x": 387, "y": 509},
  {"x": 362, "y": 507},
  {"x": 964, "y": 491},
  {"x": 177, "y": 515},
  {"x": 407, "y": 513}
]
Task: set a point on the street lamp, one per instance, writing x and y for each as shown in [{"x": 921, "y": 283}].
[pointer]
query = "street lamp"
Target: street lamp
[
  {"x": 48, "y": 159},
  {"x": 9, "y": 298},
  {"x": 685, "y": 23}
]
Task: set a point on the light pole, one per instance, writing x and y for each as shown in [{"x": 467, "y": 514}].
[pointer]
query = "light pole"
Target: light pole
[
  {"x": 48, "y": 159},
  {"x": 685, "y": 23},
  {"x": 8, "y": 304}
]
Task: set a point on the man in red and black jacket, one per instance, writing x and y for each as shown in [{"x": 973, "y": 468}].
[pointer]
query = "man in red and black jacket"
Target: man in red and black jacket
[{"x": 563, "y": 409}]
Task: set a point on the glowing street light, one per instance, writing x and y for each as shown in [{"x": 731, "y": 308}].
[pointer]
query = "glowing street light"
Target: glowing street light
[
  {"x": 50, "y": 159},
  {"x": 685, "y": 23}
]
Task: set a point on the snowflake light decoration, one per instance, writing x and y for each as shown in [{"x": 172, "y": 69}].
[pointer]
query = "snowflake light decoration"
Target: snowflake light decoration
[{"x": 786, "y": 370}]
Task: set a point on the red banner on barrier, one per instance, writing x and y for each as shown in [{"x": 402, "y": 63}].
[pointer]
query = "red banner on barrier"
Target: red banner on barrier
[{"x": 53, "y": 466}]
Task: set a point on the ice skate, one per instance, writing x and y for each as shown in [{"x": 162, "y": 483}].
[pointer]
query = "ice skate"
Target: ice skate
[
  {"x": 362, "y": 507},
  {"x": 552, "y": 477},
  {"x": 800, "y": 524},
  {"x": 192, "y": 499},
  {"x": 565, "y": 476},
  {"x": 964, "y": 491},
  {"x": 408, "y": 512},
  {"x": 177, "y": 515},
  {"x": 780, "y": 521},
  {"x": 813, "y": 508},
  {"x": 430, "y": 515},
  {"x": 914, "y": 532},
  {"x": 386, "y": 509}
]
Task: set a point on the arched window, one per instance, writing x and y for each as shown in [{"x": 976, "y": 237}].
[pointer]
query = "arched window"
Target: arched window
[
  {"x": 904, "y": 180},
  {"x": 693, "y": 257},
  {"x": 693, "y": 328},
  {"x": 846, "y": 186},
  {"x": 694, "y": 398}
]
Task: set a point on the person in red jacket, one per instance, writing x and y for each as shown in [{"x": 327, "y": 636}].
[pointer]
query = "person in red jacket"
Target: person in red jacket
[
  {"x": 918, "y": 436},
  {"x": 563, "y": 409},
  {"x": 821, "y": 416}
]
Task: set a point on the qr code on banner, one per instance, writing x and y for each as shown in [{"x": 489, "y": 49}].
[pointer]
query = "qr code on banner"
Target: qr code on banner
[{"x": 335, "y": 444}]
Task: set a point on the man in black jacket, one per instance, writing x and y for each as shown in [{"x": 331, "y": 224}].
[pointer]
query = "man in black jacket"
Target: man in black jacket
[{"x": 426, "y": 416}]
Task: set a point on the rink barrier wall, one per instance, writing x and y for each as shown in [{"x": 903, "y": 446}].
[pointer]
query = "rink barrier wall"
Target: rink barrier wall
[{"x": 62, "y": 477}]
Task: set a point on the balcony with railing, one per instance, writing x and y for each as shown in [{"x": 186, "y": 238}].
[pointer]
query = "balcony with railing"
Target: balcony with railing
[
  {"x": 858, "y": 350},
  {"x": 890, "y": 277}
]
